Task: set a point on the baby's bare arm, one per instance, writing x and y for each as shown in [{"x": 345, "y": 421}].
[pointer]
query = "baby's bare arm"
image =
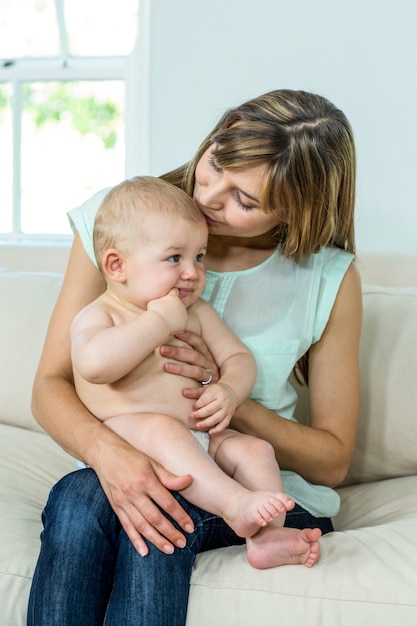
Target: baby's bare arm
[{"x": 103, "y": 351}]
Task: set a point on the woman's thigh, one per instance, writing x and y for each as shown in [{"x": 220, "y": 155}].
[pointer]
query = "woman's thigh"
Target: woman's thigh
[
  {"x": 74, "y": 574},
  {"x": 300, "y": 518},
  {"x": 89, "y": 571}
]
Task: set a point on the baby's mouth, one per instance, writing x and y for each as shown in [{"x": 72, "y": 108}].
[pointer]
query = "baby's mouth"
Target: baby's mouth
[{"x": 182, "y": 292}]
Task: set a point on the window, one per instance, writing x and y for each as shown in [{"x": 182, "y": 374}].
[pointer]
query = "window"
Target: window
[{"x": 63, "y": 72}]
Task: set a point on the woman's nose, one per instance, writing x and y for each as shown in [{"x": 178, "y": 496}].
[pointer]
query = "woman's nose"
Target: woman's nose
[{"x": 211, "y": 196}]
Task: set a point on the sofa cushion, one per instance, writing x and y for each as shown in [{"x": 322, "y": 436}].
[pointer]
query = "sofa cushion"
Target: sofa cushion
[
  {"x": 365, "y": 575},
  {"x": 27, "y": 300},
  {"x": 30, "y": 463},
  {"x": 387, "y": 435}
]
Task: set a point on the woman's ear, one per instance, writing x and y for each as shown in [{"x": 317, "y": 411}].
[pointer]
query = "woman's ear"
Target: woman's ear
[{"x": 113, "y": 263}]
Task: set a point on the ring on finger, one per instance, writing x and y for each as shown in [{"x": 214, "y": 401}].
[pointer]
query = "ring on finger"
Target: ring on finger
[{"x": 209, "y": 379}]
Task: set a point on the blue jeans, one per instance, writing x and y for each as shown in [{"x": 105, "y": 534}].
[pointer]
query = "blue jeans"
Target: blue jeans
[{"x": 88, "y": 572}]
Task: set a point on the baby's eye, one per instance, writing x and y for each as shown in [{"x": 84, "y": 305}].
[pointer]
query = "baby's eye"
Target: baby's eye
[
  {"x": 175, "y": 258},
  {"x": 199, "y": 257}
]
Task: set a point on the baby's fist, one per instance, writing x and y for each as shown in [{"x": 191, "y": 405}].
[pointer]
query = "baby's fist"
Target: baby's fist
[{"x": 172, "y": 309}]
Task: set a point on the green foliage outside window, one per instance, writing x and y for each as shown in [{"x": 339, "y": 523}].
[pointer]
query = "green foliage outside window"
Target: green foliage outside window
[
  {"x": 3, "y": 98},
  {"x": 88, "y": 114}
]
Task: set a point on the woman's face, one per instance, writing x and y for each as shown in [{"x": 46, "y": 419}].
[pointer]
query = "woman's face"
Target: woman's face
[{"x": 230, "y": 198}]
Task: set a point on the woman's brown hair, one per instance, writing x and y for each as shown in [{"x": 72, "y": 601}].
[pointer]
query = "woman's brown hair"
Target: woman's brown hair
[{"x": 308, "y": 147}]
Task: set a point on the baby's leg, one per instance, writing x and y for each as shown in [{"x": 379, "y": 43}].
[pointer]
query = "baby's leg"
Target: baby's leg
[
  {"x": 249, "y": 460},
  {"x": 252, "y": 462},
  {"x": 170, "y": 442}
]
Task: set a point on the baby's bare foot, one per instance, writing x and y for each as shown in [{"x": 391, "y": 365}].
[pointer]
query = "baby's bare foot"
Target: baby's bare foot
[
  {"x": 250, "y": 510},
  {"x": 273, "y": 546}
]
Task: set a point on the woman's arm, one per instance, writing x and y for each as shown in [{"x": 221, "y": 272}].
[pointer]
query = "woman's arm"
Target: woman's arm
[
  {"x": 132, "y": 482},
  {"x": 322, "y": 451}
]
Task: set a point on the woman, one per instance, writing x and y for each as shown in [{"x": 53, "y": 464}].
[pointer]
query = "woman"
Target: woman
[{"x": 276, "y": 182}]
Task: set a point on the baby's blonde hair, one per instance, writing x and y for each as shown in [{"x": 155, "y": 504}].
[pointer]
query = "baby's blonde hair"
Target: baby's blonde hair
[{"x": 122, "y": 216}]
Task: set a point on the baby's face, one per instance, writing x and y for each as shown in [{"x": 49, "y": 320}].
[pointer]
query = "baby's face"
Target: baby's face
[{"x": 171, "y": 255}]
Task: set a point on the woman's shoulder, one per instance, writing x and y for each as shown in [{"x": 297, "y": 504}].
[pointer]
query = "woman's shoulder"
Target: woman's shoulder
[
  {"x": 331, "y": 253},
  {"x": 330, "y": 261},
  {"x": 82, "y": 218},
  {"x": 87, "y": 210}
]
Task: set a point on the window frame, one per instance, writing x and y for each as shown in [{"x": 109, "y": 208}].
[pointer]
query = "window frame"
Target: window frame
[
  {"x": 132, "y": 69},
  {"x": 43, "y": 70}
]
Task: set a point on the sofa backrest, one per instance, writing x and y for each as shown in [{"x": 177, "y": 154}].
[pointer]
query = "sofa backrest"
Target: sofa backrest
[
  {"x": 26, "y": 303},
  {"x": 387, "y": 436},
  {"x": 388, "y": 270}
]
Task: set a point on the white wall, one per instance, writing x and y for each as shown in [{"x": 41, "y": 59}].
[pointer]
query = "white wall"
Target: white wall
[{"x": 362, "y": 54}]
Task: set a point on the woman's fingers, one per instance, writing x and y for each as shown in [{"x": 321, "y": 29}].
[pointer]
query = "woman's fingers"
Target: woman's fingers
[
  {"x": 140, "y": 496},
  {"x": 142, "y": 519},
  {"x": 150, "y": 524},
  {"x": 190, "y": 363},
  {"x": 196, "y": 342}
]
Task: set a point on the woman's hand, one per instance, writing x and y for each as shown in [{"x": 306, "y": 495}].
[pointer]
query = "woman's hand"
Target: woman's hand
[
  {"x": 195, "y": 361},
  {"x": 136, "y": 486}
]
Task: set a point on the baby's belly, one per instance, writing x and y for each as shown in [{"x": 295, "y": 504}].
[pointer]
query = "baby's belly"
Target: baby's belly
[{"x": 160, "y": 393}]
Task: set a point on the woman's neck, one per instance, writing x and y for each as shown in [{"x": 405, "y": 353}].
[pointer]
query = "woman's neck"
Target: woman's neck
[{"x": 228, "y": 254}]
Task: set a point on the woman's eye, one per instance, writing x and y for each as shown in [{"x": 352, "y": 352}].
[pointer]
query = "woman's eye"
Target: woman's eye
[
  {"x": 175, "y": 258},
  {"x": 244, "y": 207},
  {"x": 214, "y": 165}
]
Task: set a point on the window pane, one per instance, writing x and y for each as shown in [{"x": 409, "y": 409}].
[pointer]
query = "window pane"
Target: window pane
[
  {"x": 97, "y": 28},
  {"x": 28, "y": 28},
  {"x": 6, "y": 158},
  {"x": 73, "y": 145}
]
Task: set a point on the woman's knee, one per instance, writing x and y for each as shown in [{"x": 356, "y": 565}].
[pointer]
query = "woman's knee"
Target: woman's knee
[{"x": 76, "y": 506}]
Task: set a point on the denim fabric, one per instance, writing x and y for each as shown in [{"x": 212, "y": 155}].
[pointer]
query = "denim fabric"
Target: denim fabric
[{"x": 89, "y": 573}]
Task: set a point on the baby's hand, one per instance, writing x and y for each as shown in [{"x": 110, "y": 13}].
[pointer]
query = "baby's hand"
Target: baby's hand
[
  {"x": 214, "y": 408},
  {"x": 172, "y": 309}
]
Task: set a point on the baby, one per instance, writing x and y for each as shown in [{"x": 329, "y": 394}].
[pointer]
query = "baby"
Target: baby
[{"x": 150, "y": 240}]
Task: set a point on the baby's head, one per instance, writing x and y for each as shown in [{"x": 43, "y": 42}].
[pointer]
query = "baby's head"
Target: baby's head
[{"x": 125, "y": 217}]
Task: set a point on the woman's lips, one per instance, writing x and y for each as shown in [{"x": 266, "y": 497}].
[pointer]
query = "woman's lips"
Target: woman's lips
[{"x": 210, "y": 220}]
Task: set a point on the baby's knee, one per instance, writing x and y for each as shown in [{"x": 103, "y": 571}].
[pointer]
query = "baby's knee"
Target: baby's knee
[
  {"x": 159, "y": 423},
  {"x": 260, "y": 448}
]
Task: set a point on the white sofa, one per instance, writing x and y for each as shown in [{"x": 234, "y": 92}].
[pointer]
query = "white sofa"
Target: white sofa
[{"x": 367, "y": 573}]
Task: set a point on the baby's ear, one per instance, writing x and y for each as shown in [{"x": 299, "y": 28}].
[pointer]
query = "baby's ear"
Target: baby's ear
[{"x": 114, "y": 265}]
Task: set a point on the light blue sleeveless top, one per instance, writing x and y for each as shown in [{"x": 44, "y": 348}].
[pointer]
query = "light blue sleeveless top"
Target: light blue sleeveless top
[{"x": 279, "y": 309}]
